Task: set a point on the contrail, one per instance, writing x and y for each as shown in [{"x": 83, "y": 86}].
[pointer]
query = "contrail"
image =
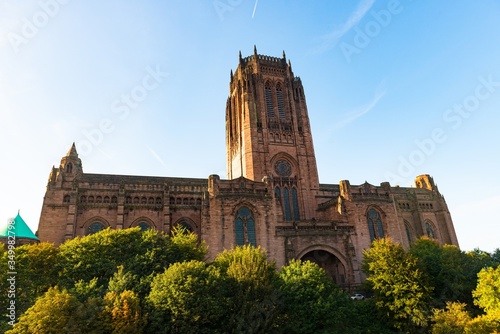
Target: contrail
[{"x": 254, "y": 8}]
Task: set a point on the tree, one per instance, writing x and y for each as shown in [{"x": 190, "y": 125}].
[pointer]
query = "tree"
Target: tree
[
  {"x": 399, "y": 285},
  {"x": 487, "y": 292},
  {"x": 123, "y": 313},
  {"x": 141, "y": 253},
  {"x": 254, "y": 306},
  {"x": 59, "y": 312},
  {"x": 36, "y": 272},
  {"x": 452, "y": 320},
  {"x": 312, "y": 303},
  {"x": 189, "y": 297},
  {"x": 451, "y": 273}
]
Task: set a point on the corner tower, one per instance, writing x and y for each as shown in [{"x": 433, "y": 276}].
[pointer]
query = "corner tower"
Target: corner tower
[{"x": 268, "y": 132}]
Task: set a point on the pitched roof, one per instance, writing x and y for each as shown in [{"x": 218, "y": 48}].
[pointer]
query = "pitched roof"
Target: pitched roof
[{"x": 20, "y": 229}]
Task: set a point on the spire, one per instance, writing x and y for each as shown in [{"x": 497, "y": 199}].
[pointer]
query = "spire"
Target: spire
[
  {"x": 255, "y": 50},
  {"x": 71, "y": 164},
  {"x": 231, "y": 75},
  {"x": 284, "y": 55},
  {"x": 72, "y": 151}
]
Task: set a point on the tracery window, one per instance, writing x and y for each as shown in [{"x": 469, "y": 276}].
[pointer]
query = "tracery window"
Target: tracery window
[
  {"x": 245, "y": 227},
  {"x": 375, "y": 226}
]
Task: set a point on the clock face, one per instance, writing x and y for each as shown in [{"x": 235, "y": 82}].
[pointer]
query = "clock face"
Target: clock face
[{"x": 283, "y": 168}]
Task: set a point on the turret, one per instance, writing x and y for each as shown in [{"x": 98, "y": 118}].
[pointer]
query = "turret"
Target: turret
[{"x": 71, "y": 165}]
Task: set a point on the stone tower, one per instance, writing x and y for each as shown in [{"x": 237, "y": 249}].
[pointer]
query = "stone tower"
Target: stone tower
[{"x": 268, "y": 132}]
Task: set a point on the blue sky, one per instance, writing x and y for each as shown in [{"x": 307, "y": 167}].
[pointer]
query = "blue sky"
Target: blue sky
[{"x": 394, "y": 89}]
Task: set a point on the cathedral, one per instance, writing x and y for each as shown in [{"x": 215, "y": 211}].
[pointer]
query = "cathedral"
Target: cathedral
[{"x": 271, "y": 198}]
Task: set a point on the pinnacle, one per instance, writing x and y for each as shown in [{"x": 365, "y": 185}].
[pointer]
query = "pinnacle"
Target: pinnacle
[{"x": 72, "y": 151}]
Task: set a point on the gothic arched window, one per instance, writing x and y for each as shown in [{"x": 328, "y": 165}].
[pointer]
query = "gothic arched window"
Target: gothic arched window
[
  {"x": 144, "y": 226},
  {"x": 95, "y": 227},
  {"x": 69, "y": 168},
  {"x": 277, "y": 193},
  {"x": 245, "y": 227},
  {"x": 408, "y": 232},
  {"x": 430, "y": 231},
  {"x": 269, "y": 100},
  {"x": 375, "y": 226},
  {"x": 286, "y": 205},
  {"x": 281, "y": 103}
]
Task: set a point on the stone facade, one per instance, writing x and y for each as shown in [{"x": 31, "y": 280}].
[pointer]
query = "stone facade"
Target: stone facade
[{"x": 272, "y": 196}]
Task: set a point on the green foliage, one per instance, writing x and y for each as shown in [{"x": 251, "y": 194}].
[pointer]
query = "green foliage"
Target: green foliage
[
  {"x": 452, "y": 320},
  {"x": 446, "y": 270},
  {"x": 189, "y": 297},
  {"x": 484, "y": 324},
  {"x": 98, "y": 255},
  {"x": 487, "y": 292},
  {"x": 85, "y": 290},
  {"x": 57, "y": 312},
  {"x": 185, "y": 246},
  {"x": 311, "y": 301},
  {"x": 140, "y": 254},
  {"x": 122, "y": 281},
  {"x": 254, "y": 305},
  {"x": 399, "y": 285},
  {"x": 451, "y": 273},
  {"x": 35, "y": 265}
]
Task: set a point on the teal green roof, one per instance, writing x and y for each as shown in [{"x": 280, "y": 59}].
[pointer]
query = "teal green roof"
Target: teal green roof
[{"x": 20, "y": 229}]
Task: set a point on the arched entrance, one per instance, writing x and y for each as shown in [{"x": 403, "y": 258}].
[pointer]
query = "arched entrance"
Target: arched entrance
[{"x": 334, "y": 268}]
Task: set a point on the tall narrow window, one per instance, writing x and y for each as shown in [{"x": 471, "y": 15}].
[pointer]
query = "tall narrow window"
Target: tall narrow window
[
  {"x": 281, "y": 104},
  {"x": 430, "y": 231},
  {"x": 286, "y": 205},
  {"x": 408, "y": 234},
  {"x": 277, "y": 193},
  {"x": 375, "y": 226},
  {"x": 245, "y": 227},
  {"x": 295, "y": 204},
  {"x": 69, "y": 168},
  {"x": 269, "y": 100}
]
